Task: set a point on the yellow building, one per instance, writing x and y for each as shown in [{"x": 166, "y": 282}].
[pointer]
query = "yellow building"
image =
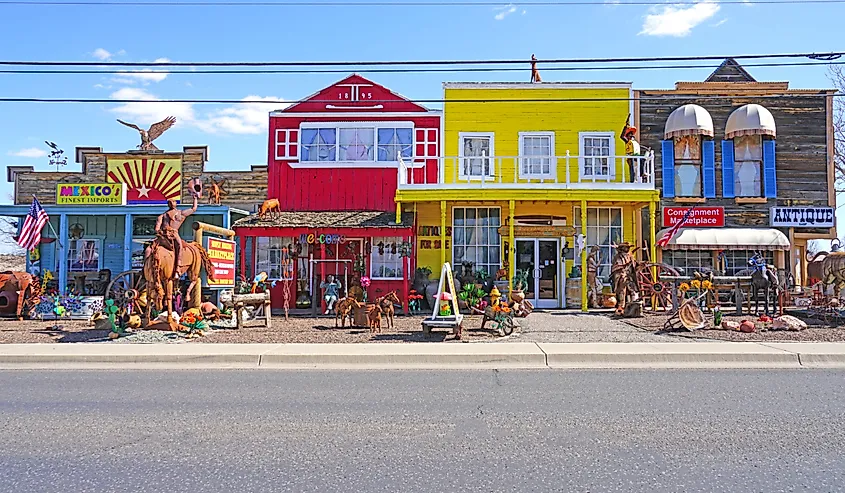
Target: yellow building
[{"x": 524, "y": 173}]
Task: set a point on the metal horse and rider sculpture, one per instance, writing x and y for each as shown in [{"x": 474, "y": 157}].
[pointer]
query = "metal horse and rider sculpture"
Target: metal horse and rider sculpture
[
  {"x": 763, "y": 277},
  {"x": 169, "y": 257}
]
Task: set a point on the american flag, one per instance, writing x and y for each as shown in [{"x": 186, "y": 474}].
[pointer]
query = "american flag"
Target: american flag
[
  {"x": 671, "y": 232},
  {"x": 31, "y": 232}
]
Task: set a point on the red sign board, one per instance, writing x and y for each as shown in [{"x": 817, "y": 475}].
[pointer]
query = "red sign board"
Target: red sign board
[
  {"x": 222, "y": 255},
  {"x": 701, "y": 217}
]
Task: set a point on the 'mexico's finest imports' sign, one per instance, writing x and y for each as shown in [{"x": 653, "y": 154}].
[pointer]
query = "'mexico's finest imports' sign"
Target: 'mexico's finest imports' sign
[
  {"x": 803, "y": 217},
  {"x": 90, "y": 194}
]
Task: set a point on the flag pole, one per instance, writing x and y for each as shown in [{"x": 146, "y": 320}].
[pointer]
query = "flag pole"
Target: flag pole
[{"x": 59, "y": 240}]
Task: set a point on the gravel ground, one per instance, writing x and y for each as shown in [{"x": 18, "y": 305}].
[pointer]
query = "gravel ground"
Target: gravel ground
[
  {"x": 15, "y": 262},
  {"x": 554, "y": 326}
]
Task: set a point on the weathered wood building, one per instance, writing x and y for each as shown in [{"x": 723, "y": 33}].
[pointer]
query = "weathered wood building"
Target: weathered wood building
[
  {"x": 753, "y": 159},
  {"x": 102, "y": 216}
]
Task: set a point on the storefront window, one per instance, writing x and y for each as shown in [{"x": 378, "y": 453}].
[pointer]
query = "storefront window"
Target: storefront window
[
  {"x": 274, "y": 256},
  {"x": 83, "y": 255},
  {"x": 138, "y": 246},
  {"x": 604, "y": 228},
  {"x": 475, "y": 238},
  {"x": 686, "y": 262},
  {"x": 385, "y": 260}
]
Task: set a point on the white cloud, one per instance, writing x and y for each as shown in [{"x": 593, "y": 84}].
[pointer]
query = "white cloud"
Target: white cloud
[
  {"x": 103, "y": 54},
  {"x": 504, "y": 11},
  {"x": 678, "y": 21},
  {"x": 31, "y": 152},
  {"x": 144, "y": 76},
  {"x": 250, "y": 118},
  {"x": 720, "y": 22}
]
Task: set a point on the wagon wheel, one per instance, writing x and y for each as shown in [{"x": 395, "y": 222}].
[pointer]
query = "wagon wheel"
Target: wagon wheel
[
  {"x": 650, "y": 279},
  {"x": 129, "y": 288},
  {"x": 506, "y": 326}
]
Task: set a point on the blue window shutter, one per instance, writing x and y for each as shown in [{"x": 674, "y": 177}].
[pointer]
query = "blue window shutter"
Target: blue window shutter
[
  {"x": 769, "y": 176},
  {"x": 728, "y": 169},
  {"x": 668, "y": 155},
  {"x": 708, "y": 165}
]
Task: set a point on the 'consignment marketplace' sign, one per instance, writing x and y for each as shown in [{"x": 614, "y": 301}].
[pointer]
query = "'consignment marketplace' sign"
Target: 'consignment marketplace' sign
[
  {"x": 803, "y": 217},
  {"x": 701, "y": 217}
]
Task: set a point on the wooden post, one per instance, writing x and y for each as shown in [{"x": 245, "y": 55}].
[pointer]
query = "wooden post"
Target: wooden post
[
  {"x": 398, "y": 212},
  {"x": 652, "y": 232},
  {"x": 406, "y": 270},
  {"x": 442, "y": 232},
  {"x": 322, "y": 279},
  {"x": 584, "y": 306},
  {"x": 199, "y": 229},
  {"x": 511, "y": 246}
]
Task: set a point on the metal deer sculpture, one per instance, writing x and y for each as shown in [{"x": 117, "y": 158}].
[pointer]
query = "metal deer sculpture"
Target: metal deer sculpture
[{"x": 155, "y": 131}]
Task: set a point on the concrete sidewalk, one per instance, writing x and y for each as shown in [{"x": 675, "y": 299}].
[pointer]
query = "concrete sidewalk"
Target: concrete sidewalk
[{"x": 424, "y": 356}]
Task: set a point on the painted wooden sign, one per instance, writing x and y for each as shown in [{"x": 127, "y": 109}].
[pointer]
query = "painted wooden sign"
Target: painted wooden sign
[
  {"x": 148, "y": 180},
  {"x": 701, "y": 217},
  {"x": 90, "y": 194},
  {"x": 803, "y": 217},
  {"x": 322, "y": 239},
  {"x": 222, "y": 255}
]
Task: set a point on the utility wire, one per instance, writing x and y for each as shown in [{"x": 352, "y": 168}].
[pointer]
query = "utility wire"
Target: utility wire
[
  {"x": 353, "y": 3},
  {"x": 408, "y": 70},
  {"x": 421, "y": 101},
  {"x": 825, "y": 56}
]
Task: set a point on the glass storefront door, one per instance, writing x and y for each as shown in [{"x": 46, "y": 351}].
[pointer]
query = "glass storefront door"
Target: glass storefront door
[{"x": 541, "y": 259}]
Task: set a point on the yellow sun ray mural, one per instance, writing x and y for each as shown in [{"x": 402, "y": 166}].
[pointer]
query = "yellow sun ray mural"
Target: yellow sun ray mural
[{"x": 148, "y": 180}]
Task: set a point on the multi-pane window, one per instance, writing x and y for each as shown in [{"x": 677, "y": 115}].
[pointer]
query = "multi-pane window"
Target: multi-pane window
[
  {"x": 688, "y": 166},
  {"x": 597, "y": 155},
  {"x": 275, "y": 257},
  {"x": 363, "y": 143},
  {"x": 604, "y": 228},
  {"x": 735, "y": 261},
  {"x": 536, "y": 151},
  {"x": 728, "y": 263},
  {"x": 385, "y": 259},
  {"x": 748, "y": 166},
  {"x": 475, "y": 238},
  {"x": 687, "y": 262},
  {"x": 476, "y": 150},
  {"x": 83, "y": 255}
]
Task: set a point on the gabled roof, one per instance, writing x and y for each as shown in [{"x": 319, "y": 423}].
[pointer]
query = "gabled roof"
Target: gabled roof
[
  {"x": 385, "y": 94},
  {"x": 730, "y": 71}
]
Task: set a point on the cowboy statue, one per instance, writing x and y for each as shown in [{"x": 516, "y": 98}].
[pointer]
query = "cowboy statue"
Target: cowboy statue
[
  {"x": 593, "y": 282},
  {"x": 167, "y": 231},
  {"x": 632, "y": 148},
  {"x": 758, "y": 262},
  {"x": 623, "y": 273}
]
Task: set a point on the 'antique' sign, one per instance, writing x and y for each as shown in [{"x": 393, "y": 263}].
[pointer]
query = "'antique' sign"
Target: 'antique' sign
[
  {"x": 803, "y": 217},
  {"x": 701, "y": 217},
  {"x": 222, "y": 255},
  {"x": 90, "y": 194}
]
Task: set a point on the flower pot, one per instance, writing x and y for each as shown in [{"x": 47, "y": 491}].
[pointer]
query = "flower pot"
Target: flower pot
[{"x": 517, "y": 295}]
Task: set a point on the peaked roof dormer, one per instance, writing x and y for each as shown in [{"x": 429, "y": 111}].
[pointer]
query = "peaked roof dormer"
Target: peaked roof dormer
[
  {"x": 357, "y": 94},
  {"x": 730, "y": 71}
]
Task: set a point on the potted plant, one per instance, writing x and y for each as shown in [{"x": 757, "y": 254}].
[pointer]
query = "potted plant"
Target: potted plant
[
  {"x": 471, "y": 296},
  {"x": 501, "y": 282},
  {"x": 481, "y": 278},
  {"x": 520, "y": 282}
]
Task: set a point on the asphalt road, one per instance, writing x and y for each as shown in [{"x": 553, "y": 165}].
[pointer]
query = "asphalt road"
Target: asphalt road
[{"x": 572, "y": 431}]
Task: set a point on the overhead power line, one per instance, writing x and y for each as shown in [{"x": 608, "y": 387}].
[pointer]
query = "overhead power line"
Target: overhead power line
[
  {"x": 442, "y": 3},
  {"x": 420, "y": 101},
  {"x": 825, "y": 56},
  {"x": 407, "y": 70}
]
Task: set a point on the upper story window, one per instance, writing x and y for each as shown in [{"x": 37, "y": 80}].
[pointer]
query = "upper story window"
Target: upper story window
[
  {"x": 688, "y": 166},
  {"x": 748, "y": 154},
  {"x": 356, "y": 142},
  {"x": 476, "y": 149},
  {"x": 536, "y": 151},
  {"x": 748, "y": 166},
  {"x": 597, "y": 150}
]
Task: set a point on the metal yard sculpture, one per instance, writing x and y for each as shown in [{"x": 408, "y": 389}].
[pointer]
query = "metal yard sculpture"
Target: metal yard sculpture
[
  {"x": 155, "y": 131},
  {"x": 765, "y": 278},
  {"x": 21, "y": 287},
  {"x": 623, "y": 272},
  {"x": 169, "y": 257}
]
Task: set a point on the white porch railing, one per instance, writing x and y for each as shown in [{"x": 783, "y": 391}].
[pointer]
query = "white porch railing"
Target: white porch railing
[{"x": 575, "y": 172}]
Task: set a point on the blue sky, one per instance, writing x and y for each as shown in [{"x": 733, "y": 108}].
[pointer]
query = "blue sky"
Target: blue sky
[{"x": 237, "y": 135}]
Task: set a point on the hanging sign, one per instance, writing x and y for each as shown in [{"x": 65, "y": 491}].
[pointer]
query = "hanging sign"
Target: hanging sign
[
  {"x": 222, "y": 255},
  {"x": 701, "y": 217},
  {"x": 90, "y": 194},
  {"x": 803, "y": 217},
  {"x": 319, "y": 239}
]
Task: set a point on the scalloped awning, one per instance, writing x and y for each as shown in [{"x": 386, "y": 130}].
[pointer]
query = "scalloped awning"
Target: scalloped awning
[
  {"x": 751, "y": 119},
  {"x": 727, "y": 238},
  {"x": 689, "y": 119}
]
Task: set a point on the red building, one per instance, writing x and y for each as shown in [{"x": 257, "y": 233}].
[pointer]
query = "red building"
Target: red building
[{"x": 333, "y": 166}]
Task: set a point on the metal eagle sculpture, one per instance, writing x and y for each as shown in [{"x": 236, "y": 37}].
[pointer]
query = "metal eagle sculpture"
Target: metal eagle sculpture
[{"x": 155, "y": 131}]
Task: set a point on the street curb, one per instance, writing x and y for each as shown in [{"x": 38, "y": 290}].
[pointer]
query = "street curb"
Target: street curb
[{"x": 703, "y": 355}]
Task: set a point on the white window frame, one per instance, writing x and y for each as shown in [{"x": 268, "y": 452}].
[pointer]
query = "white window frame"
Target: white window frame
[
  {"x": 576, "y": 213},
  {"x": 502, "y": 253},
  {"x": 611, "y": 157},
  {"x": 374, "y": 253},
  {"x": 760, "y": 166},
  {"x": 491, "y": 157},
  {"x": 355, "y": 164},
  {"x": 552, "y": 159},
  {"x": 99, "y": 241},
  {"x": 285, "y": 142}
]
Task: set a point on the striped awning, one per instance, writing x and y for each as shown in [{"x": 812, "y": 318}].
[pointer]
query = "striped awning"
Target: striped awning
[
  {"x": 751, "y": 119},
  {"x": 726, "y": 239}
]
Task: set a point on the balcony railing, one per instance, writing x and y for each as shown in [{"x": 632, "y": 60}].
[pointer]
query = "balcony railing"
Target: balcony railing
[{"x": 555, "y": 172}]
